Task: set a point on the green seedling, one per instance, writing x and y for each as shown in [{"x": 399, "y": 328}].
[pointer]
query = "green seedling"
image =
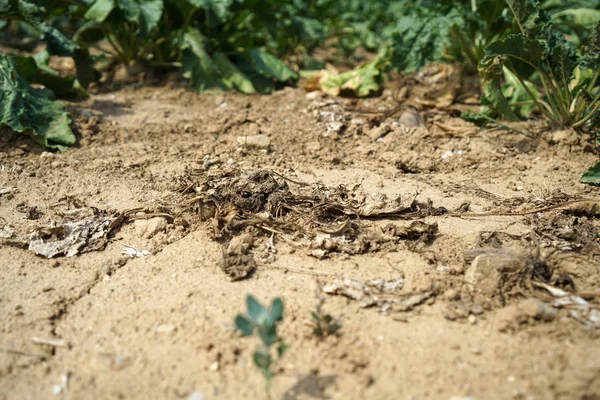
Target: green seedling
[
  {"x": 324, "y": 324},
  {"x": 263, "y": 323}
]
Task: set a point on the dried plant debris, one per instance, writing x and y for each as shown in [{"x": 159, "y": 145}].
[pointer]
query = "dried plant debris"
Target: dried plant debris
[
  {"x": 322, "y": 219},
  {"x": 565, "y": 233},
  {"x": 238, "y": 262},
  {"x": 374, "y": 240},
  {"x": 384, "y": 295},
  {"x": 71, "y": 238},
  {"x": 375, "y": 293},
  {"x": 578, "y": 308},
  {"x": 505, "y": 272}
]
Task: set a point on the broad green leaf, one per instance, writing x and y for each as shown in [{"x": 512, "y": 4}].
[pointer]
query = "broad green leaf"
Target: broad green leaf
[
  {"x": 421, "y": 38},
  {"x": 63, "y": 86},
  {"x": 218, "y": 10},
  {"x": 592, "y": 175},
  {"x": 144, "y": 13},
  {"x": 519, "y": 98},
  {"x": 26, "y": 67},
  {"x": 490, "y": 70},
  {"x": 100, "y": 10},
  {"x": 197, "y": 65},
  {"x": 56, "y": 42},
  {"x": 586, "y": 17},
  {"x": 232, "y": 77},
  {"x": 529, "y": 16},
  {"x": 276, "y": 311},
  {"x": 32, "y": 111},
  {"x": 244, "y": 325},
  {"x": 256, "y": 311},
  {"x": 270, "y": 66},
  {"x": 561, "y": 58},
  {"x": 267, "y": 332},
  {"x": 519, "y": 47},
  {"x": 591, "y": 58},
  {"x": 514, "y": 47},
  {"x": 308, "y": 28}
]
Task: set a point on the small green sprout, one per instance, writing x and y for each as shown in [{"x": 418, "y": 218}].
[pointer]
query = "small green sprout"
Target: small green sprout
[
  {"x": 324, "y": 324},
  {"x": 262, "y": 322}
]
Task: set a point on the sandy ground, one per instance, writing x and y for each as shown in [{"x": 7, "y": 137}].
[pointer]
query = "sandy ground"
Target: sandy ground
[{"x": 161, "y": 326}]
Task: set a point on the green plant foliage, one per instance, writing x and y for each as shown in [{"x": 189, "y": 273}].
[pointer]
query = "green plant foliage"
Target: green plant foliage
[
  {"x": 57, "y": 43},
  {"x": 324, "y": 324},
  {"x": 29, "y": 110},
  {"x": 263, "y": 322},
  {"x": 592, "y": 175},
  {"x": 571, "y": 96},
  {"x": 422, "y": 37}
]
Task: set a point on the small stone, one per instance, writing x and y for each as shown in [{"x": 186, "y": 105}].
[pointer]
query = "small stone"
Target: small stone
[
  {"x": 472, "y": 319},
  {"x": 451, "y": 294},
  {"x": 313, "y": 147},
  {"x": 314, "y": 95},
  {"x": 214, "y": 367},
  {"x": 165, "y": 328},
  {"x": 485, "y": 272},
  {"x": 196, "y": 396},
  {"x": 536, "y": 309},
  {"x": 379, "y": 131},
  {"x": 257, "y": 141},
  {"x": 411, "y": 118},
  {"x": 46, "y": 154},
  {"x": 149, "y": 228}
]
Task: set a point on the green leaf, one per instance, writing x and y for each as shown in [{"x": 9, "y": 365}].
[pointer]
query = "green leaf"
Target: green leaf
[
  {"x": 516, "y": 47},
  {"x": 591, "y": 58},
  {"x": 271, "y": 67},
  {"x": 197, "y": 65},
  {"x": 244, "y": 325},
  {"x": 585, "y": 17},
  {"x": 232, "y": 77},
  {"x": 256, "y": 311},
  {"x": 592, "y": 175},
  {"x": 276, "y": 311},
  {"x": 56, "y": 42},
  {"x": 308, "y": 29},
  {"x": 26, "y": 66},
  {"x": 519, "y": 98},
  {"x": 144, "y": 13},
  {"x": 100, "y": 10},
  {"x": 217, "y": 10},
  {"x": 529, "y": 16},
  {"x": 267, "y": 332},
  {"x": 263, "y": 361},
  {"x": 561, "y": 58},
  {"x": 32, "y": 111},
  {"x": 421, "y": 37},
  {"x": 281, "y": 349}
]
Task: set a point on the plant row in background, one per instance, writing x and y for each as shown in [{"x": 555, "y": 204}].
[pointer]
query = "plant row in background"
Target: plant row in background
[{"x": 531, "y": 56}]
